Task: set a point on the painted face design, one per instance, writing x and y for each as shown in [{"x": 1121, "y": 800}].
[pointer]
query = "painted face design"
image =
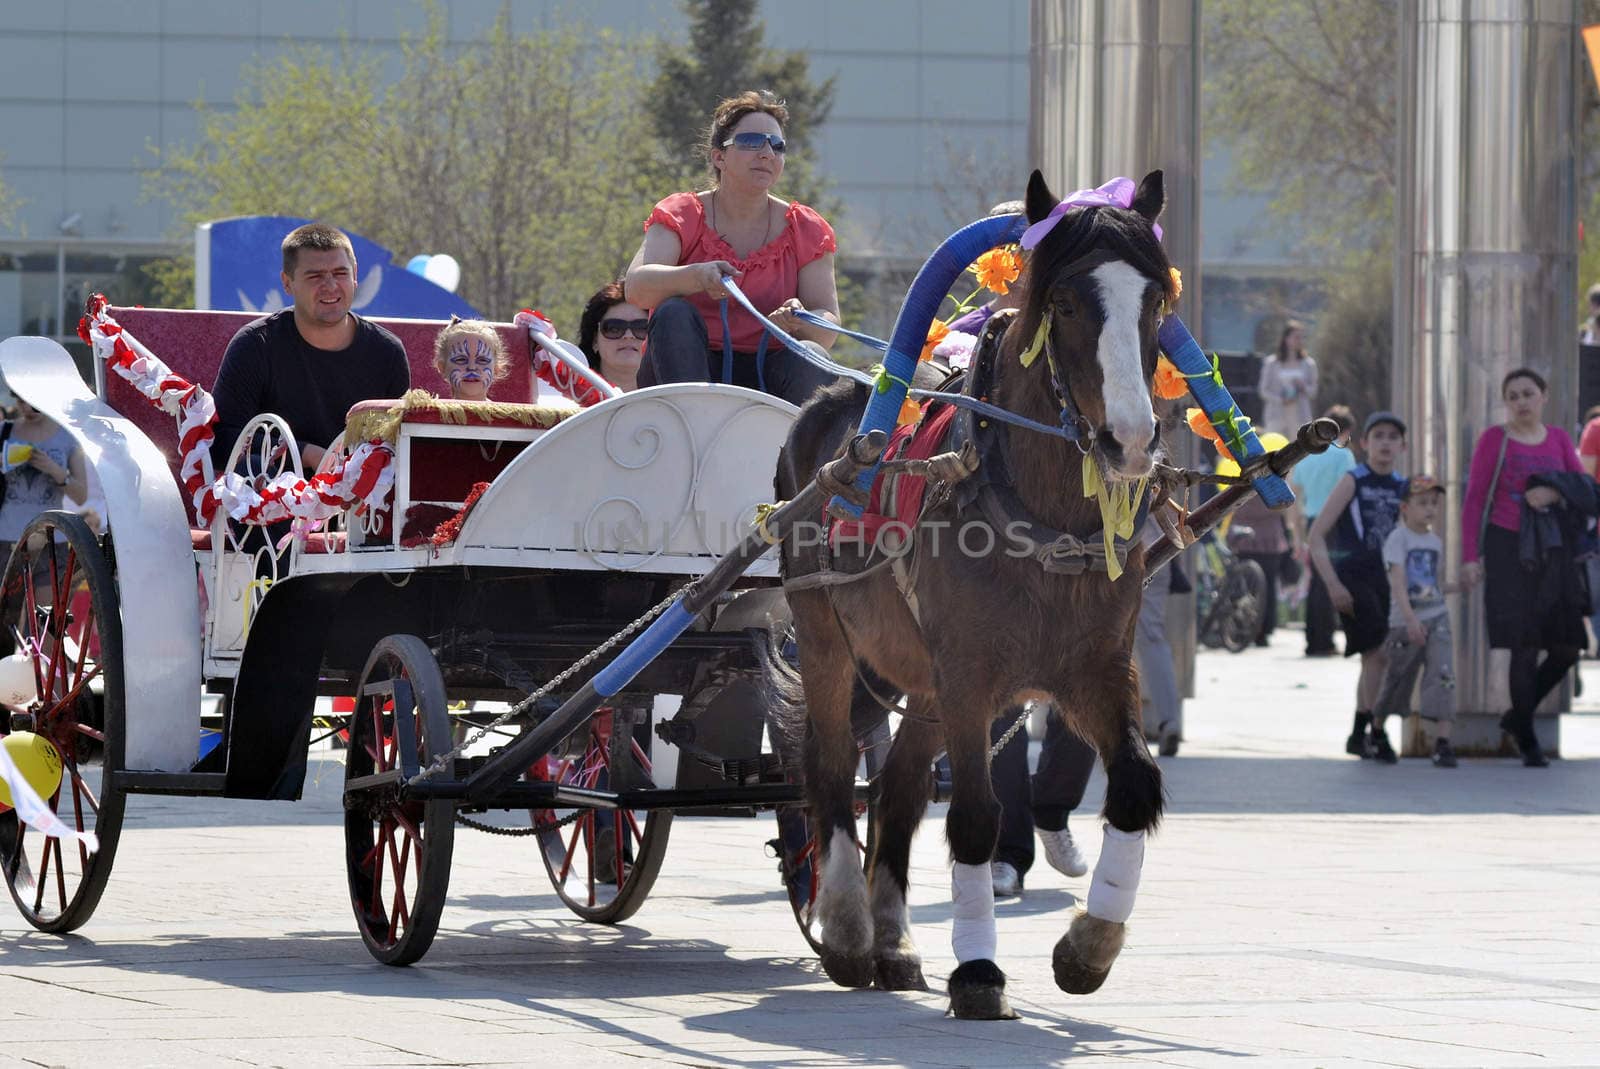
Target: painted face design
[{"x": 471, "y": 361}]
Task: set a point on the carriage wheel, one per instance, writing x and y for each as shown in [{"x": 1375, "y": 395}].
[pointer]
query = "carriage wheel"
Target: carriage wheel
[
  {"x": 1244, "y": 602},
  {"x": 602, "y": 862},
  {"x": 69, "y": 618},
  {"x": 397, "y": 852}
]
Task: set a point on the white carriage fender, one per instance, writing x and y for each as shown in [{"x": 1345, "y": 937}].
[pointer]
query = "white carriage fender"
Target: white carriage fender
[{"x": 155, "y": 559}]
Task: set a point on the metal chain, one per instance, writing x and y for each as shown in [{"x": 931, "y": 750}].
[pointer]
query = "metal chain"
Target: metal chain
[
  {"x": 447, "y": 760},
  {"x": 517, "y": 833},
  {"x": 1011, "y": 732}
]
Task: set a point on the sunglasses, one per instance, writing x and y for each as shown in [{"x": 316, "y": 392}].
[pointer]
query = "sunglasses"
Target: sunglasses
[
  {"x": 753, "y": 140},
  {"x": 616, "y": 328}
]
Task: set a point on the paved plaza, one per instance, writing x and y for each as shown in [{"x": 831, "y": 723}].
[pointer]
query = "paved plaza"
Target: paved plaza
[{"x": 1299, "y": 907}]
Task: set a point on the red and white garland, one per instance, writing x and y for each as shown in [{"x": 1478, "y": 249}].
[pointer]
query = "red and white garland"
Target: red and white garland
[
  {"x": 362, "y": 480},
  {"x": 565, "y": 378}
]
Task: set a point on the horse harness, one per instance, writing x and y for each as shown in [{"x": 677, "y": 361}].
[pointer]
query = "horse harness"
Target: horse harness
[{"x": 973, "y": 475}]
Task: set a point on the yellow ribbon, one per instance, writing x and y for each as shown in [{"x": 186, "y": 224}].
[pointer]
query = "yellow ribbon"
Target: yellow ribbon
[
  {"x": 763, "y": 511},
  {"x": 1117, "y": 510},
  {"x": 263, "y": 585},
  {"x": 1036, "y": 346}
]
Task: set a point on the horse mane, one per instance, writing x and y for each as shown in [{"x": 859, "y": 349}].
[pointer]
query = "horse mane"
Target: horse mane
[{"x": 1124, "y": 232}]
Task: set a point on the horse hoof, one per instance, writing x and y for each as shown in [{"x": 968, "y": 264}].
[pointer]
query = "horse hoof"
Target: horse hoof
[
  {"x": 900, "y": 974},
  {"x": 1074, "y": 975},
  {"x": 978, "y": 992},
  {"x": 848, "y": 971}
]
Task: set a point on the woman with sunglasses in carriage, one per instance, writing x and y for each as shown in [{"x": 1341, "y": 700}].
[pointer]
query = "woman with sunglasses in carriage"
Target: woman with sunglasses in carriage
[
  {"x": 779, "y": 253},
  {"x": 611, "y": 335}
]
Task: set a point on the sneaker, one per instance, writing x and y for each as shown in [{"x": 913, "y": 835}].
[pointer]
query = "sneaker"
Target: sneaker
[
  {"x": 1382, "y": 752},
  {"x": 1062, "y": 853},
  {"x": 1443, "y": 755},
  {"x": 1358, "y": 745},
  {"x": 1006, "y": 879}
]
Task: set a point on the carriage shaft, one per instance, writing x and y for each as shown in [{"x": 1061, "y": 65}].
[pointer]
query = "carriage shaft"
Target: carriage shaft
[
  {"x": 1314, "y": 437},
  {"x": 508, "y": 765}
]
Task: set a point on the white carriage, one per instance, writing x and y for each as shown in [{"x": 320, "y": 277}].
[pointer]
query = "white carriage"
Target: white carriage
[{"x": 516, "y": 539}]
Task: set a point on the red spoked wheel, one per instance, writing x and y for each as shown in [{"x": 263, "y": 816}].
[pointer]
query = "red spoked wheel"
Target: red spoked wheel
[
  {"x": 602, "y": 862},
  {"x": 397, "y": 850},
  {"x": 60, "y": 610}
]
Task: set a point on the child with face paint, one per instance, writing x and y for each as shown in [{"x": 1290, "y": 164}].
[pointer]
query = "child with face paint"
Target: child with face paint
[{"x": 469, "y": 356}]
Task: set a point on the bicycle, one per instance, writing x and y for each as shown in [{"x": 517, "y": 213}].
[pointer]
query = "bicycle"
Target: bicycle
[{"x": 1230, "y": 595}]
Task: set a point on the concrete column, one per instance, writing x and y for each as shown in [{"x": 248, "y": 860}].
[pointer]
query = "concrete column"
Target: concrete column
[
  {"x": 1116, "y": 91},
  {"x": 1486, "y": 257}
]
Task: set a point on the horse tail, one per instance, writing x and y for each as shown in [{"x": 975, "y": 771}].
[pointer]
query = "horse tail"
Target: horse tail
[{"x": 785, "y": 698}]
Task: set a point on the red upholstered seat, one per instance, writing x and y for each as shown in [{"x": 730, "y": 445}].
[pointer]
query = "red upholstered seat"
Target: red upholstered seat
[{"x": 191, "y": 343}]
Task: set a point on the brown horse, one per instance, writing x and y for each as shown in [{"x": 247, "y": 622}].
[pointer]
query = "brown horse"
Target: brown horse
[{"x": 973, "y": 624}]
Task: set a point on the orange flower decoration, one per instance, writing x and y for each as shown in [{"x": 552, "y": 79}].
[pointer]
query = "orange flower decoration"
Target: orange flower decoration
[
  {"x": 998, "y": 268},
  {"x": 1170, "y": 383},
  {"x": 936, "y": 334},
  {"x": 1175, "y": 287},
  {"x": 1202, "y": 426}
]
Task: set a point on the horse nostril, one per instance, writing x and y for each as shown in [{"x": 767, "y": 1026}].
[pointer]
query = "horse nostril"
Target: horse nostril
[{"x": 1109, "y": 446}]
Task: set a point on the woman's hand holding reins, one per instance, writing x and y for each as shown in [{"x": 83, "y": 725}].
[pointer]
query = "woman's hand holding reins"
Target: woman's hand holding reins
[{"x": 707, "y": 278}]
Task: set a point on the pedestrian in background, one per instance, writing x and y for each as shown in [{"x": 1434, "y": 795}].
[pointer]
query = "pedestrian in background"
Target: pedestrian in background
[
  {"x": 1526, "y": 491},
  {"x": 1419, "y": 623},
  {"x": 1313, "y": 480},
  {"x": 1042, "y": 802},
  {"x": 1357, "y": 517},
  {"x": 1288, "y": 384}
]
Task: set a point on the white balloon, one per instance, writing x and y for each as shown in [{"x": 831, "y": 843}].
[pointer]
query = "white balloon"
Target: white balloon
[
  {"x": 443, "y": 271},
  {"x": 16, "y": 681}
]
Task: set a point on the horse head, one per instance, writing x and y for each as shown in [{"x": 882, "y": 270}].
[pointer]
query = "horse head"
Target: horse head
[{"x": 1093, "y": 294}]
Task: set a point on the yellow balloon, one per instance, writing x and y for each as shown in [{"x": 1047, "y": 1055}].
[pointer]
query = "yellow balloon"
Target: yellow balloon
[
  {"x": 38, "y": 761},
  {"x": 1272, "y": 441}
]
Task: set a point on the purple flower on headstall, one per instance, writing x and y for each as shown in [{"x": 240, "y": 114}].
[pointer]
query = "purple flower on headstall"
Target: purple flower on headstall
[{"x": 1117, "y": 193}]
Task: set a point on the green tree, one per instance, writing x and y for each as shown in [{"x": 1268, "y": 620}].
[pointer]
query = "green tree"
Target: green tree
[
  {"x": 509, "y": 152},
  {"x": 727, "y": 54}
]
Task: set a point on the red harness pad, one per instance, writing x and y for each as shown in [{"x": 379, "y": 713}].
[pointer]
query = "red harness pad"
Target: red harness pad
[{"x": 897, "y": 498}]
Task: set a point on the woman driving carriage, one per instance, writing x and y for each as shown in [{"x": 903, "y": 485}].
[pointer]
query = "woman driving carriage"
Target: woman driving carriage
[{"x": 781, "y": 255}]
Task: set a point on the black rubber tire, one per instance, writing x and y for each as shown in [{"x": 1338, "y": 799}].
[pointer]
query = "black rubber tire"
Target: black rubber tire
[
  {"x": 37, "y": 867},
  {"x": 382, "y": 833},
  {"x": 581, "y": 851},
  {"x": 1244, "y": 595}
]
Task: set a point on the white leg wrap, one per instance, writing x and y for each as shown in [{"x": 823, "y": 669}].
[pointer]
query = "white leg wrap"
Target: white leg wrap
[
  {"x": 1116, "y": 875},
  {"x": 972, "y": 892}
]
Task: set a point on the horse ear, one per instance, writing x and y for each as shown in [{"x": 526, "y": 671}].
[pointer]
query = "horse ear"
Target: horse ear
[
  {"x": 1151, "y": 197},
  {"x": 1039, "y": 200}
]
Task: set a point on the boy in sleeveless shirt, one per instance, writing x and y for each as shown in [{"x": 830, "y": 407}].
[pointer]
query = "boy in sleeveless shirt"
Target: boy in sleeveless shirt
[{"x": 1347, "y": 551}]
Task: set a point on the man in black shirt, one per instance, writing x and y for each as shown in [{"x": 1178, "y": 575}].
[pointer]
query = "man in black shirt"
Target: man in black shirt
[{"x": 308, "y": 363}]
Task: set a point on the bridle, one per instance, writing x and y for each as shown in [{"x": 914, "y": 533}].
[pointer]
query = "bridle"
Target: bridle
[{"x": 1075, "y": 426}]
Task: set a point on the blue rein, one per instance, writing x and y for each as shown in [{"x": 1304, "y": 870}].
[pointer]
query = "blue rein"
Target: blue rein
[{"x": 806, "y": 352}]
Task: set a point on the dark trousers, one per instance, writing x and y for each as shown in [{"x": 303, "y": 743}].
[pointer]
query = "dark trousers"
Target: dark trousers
[
  {"x": 1321, "y": 620},
  {"x": 678, "y": 349},
  {"x": 1531, "y": 680},
  {"x": 1046, "y": 798}
]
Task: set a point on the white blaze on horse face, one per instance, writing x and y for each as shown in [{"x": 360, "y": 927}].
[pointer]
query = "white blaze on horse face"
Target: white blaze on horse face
[{"x": 1129, "y": 414}]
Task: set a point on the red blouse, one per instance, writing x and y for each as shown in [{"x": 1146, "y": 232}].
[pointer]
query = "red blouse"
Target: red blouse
[{"x": 771, "y": 273}]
